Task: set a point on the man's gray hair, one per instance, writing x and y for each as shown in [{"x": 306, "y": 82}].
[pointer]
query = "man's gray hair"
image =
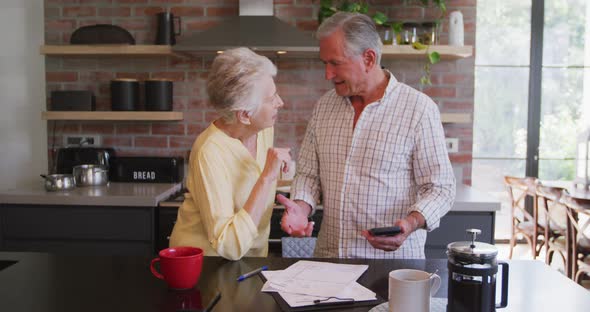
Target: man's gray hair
[
  {"x": 360, "y": 33},
  {"x": 232, "y": 84}
]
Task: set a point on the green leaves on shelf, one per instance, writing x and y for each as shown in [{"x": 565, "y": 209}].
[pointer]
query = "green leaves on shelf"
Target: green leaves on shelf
[
  {"x": 328, "y": 9},
  {"x": 433, "y": 58}
]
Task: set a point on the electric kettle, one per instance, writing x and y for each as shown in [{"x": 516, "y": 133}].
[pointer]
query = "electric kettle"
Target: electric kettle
[{"x": 472, "y": 276}]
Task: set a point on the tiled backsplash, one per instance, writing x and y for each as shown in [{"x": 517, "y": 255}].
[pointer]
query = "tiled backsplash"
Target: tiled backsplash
[{"x": 300, "y": 81}]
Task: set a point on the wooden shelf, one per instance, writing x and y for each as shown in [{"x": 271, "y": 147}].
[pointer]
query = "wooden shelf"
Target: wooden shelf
[
  {"x": 110, "y": 115},
  {"x": 108, "y": 49},
  {"x": 455, "y": 118},
  {"x": 389, "y": 51},
  {"x": 446, "y": 52}
]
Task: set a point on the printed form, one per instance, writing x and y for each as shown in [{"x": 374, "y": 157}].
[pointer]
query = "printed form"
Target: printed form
[{"x": 305, "y": 281}]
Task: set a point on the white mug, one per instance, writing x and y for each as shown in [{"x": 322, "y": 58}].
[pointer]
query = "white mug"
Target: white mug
[{"x": 410, "y": 290}]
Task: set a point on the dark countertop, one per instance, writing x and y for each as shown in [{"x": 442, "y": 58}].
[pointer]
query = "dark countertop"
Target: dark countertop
[
  {"x": 113, "y": 194},
  {"x": 45, "y": 282}
]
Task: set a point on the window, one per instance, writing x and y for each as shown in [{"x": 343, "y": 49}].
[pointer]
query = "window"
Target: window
[{"x": 502, "y": 78}]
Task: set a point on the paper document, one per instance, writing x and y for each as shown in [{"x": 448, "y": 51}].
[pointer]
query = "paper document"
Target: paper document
[{"x": 305, "y": 281}]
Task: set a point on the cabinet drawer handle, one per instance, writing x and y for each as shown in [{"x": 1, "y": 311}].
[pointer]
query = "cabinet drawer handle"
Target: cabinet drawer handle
[{"x": 167, "y": 237}]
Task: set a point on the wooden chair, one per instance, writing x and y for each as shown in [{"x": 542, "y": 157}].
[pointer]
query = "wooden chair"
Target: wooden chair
[
  {"x": 554, "y": 214},
  {"x": 523, "y": 223},
  {"x": 578, "y": 211}
]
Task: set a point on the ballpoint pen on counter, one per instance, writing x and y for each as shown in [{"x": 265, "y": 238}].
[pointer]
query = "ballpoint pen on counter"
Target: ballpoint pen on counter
[{"x": 249, "y": 274}]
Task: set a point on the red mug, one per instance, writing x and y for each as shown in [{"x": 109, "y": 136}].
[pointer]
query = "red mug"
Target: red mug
[{"x": 180, "y": 266}]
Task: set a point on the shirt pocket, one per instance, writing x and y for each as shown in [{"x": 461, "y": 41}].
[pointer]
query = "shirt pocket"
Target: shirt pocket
[{"x": 387, "y": 153}]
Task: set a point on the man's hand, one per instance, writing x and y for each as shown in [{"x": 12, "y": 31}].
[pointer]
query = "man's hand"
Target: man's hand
[
  {"x": 294, "y": 221},
  {"x": 391, "y": 243}
]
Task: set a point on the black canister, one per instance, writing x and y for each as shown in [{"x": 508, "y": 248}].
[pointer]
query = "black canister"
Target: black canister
[
  {"x": 158, "y": 95},
  {"x": 472, "y": 276},
  {"x": 124, "y": 94}
]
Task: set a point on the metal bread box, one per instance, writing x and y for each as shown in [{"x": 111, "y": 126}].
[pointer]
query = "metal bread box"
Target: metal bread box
[{"x": 147, "y": 169}]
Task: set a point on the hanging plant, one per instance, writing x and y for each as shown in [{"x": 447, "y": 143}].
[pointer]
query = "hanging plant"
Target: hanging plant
[{"x": 432, "y": 57}]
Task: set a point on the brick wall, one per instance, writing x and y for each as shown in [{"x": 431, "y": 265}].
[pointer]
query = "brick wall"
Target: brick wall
[{"x": 300, "y": 81}]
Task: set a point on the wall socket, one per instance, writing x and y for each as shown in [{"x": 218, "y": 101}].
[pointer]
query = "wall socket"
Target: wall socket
[
  {"x": 87, "y": 140},
  {"x": 452, "y": 145}
]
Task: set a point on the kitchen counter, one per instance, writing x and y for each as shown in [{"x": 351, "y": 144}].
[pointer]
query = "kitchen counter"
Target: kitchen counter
[
  {"x": 113, "y": 194},
  {"x": 47, "y": 282}
]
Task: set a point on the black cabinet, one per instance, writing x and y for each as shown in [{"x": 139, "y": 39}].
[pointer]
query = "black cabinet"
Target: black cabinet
[
  {"x": 78, "y": 229},
  {"x": 166, "y": 220}
]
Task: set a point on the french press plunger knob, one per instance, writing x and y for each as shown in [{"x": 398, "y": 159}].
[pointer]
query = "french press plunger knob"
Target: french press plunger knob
[{"x": 474, "y": 233}]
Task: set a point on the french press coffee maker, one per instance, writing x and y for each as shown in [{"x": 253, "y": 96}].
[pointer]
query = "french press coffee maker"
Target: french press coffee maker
[{"x": 472, "y": 276}]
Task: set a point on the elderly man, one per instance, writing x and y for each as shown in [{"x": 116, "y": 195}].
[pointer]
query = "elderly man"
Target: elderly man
[{"x": 374, "y": 150}]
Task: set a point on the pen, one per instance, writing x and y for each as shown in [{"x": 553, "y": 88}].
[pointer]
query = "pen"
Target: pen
[
  {"x": 333, "y": 303},
  {"x": 245, "y": 276},
  {"x": 213, "y": 302}
]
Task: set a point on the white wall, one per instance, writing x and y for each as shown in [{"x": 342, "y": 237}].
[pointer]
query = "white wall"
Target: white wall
[{"x": 23, "y": 135}]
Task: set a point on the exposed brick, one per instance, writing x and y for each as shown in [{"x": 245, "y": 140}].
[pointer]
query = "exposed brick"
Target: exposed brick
[
  {"x": 168, "y": 128},
  {"x": 224, "y": 11},
  {"x": 169, "y": 1},
  {"x": 461, "y": 3},
  {"x": 194, "y": 116},
  {"x": 96, "y": 76},
  {"x": 132, "y": 24},
  {"x": 440, "y": 92},
  {"x": 187, "y": 11},
  {"x": 129, "y": 1},
  {"x": 290, "y": 12},
  {"x": 176, "y": 76},
  {"x": 79, "y": 11},
  {"x": 460, "y": 158},
  {"x": 60, "y": 24},
  {"x": 407, "y": 14},
  {"x": 125, "y": 11},
  {"x": 307, "y": 25},
  {"x": 69, "y": 127},
  {"x": 193, "y": 130},
  {"x": 458, "y": 105},
  {"x": 148, "y": 11},
  {"x": 98, "y": 128},
  {"x": 117, "y": 141},
  {"x": 52, "y": 13},
  {"x": 138, "y": 76},
  {"x": 61, "y": 76},
  {"x": 456, "y": 78},
  {"x": 215, "y": 2},
  {"x": 122, "y": 129},
  {"x": 150, "y": 141},
  {"x": 211, "y": 116},
  {"x": 95, "y": 1},
  {"x": 185, "y": 142}
]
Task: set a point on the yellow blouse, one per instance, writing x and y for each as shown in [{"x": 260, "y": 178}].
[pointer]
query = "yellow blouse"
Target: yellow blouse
[{"x": 220, "y": 178}]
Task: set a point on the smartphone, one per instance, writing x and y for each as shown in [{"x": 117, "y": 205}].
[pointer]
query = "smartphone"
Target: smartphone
[{"x": 385, "y": 231}]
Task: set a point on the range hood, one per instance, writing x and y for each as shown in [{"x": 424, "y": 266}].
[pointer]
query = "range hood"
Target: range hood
[{"x": 255, "y": 28}]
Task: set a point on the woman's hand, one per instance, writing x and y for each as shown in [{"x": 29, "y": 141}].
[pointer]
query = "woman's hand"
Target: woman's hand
[{"x": 277, "y": 159}]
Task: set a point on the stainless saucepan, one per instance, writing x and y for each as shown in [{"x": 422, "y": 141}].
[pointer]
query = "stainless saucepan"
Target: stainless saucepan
[
  {"x": 58, "y": 182},
  {"x": 88, "y": 175}
]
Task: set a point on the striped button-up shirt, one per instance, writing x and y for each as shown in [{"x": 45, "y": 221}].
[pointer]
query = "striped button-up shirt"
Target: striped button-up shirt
[{"x": 394, "y": 161}]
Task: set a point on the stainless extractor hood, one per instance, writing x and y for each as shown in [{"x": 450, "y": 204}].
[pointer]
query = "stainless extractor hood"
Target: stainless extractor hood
[{"x": 255, "y": 28}]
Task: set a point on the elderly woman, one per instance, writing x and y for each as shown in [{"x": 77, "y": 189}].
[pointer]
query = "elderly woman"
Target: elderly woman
[{"x": 233, "y": 167}]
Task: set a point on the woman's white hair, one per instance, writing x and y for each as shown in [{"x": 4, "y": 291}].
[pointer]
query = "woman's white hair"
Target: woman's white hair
[
  {"x": 232, "y": 82},
  {"x": 360, "y": 33}
]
